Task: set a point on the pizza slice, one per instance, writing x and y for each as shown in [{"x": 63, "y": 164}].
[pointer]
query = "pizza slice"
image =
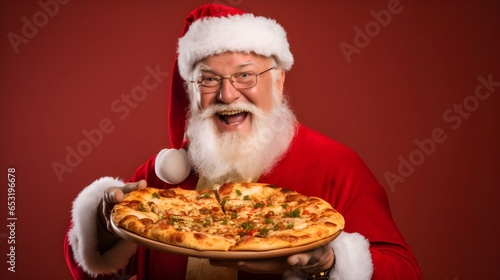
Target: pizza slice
[
  {"x": 190, "y": 219},
  {"x": 268, "y": 217}
]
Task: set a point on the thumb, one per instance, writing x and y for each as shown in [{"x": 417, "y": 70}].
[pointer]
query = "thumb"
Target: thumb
[
  {"x": 116, "y": 194},
  {"x": 300, "y": 259},
  {"x": 134, "y": 186}
]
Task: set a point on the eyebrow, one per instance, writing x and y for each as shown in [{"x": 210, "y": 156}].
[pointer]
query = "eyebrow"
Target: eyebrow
[
  {"x": 206, "y": 68},
  {"x": 245, "y": 64}
]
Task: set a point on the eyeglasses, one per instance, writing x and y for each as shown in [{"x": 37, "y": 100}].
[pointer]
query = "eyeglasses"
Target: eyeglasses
[{"x": 239, "y": 80}]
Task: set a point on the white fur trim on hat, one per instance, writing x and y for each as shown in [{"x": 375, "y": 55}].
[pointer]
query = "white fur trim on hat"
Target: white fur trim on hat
[
  {"x": 83, "y": 234},
  {"x": 237, "y": 33},
  {"x": 353, "y": 259}
]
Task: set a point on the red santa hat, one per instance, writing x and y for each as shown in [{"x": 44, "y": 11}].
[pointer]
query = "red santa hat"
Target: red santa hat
[{"x": 214, "y": 29}]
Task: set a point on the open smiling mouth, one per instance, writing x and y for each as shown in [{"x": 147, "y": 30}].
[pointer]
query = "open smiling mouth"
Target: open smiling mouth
[{"x": 232, "y": 117}]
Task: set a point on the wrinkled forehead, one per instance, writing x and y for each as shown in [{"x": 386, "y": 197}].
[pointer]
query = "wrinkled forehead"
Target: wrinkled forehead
[{"x": 233, "y": 61}]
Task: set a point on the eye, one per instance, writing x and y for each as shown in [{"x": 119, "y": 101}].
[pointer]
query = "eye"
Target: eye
[
  {"x": 209, "y": 80},
  {"x": 242, "y": 76}
]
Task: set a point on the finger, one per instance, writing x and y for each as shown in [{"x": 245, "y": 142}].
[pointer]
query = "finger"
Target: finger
[
  {"x": 322, "y": 252},
  {"x": 317, "y": 257},
  {"x": 299, "y": 259},
  {"x": 302, "y": 258},
  {"x": 113, "y": 195},
  {"x": 134, "y": 186}
]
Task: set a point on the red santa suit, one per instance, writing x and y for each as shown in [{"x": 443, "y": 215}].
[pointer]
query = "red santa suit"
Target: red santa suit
[
  {"x": 314, "y": 165},
  {"x": 371, "y": 246}
]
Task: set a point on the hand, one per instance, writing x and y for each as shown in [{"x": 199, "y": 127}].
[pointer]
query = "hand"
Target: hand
[
  {"x": 303, "y": 264},
  {"x": 315, "y": 261},
  {"x": 111, "y": 196}
]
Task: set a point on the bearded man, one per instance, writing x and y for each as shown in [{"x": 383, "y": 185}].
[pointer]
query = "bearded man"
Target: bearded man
[{"x": 241, "y": 129}]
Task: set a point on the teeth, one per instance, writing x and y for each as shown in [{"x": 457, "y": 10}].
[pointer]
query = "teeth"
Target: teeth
[{"x": 230, "y": 112}]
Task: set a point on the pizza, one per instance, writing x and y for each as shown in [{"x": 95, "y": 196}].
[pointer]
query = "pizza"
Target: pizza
[{"x": 231, "y": 217}]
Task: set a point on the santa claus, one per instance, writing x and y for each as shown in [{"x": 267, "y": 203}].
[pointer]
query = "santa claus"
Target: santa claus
[{"x": 239, "y": 127}]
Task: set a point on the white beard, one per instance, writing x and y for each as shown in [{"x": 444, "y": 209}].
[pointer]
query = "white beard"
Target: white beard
[{"x": 234, "y": 156}]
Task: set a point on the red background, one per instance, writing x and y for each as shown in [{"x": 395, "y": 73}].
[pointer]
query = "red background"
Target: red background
[{"x": 395, "y": 90}]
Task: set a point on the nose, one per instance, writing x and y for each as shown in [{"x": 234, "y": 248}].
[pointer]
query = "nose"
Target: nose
[{"x": 227, "y": 92}]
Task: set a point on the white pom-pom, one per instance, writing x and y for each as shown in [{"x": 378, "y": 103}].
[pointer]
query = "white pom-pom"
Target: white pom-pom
[{"x": 172, "y": 165}]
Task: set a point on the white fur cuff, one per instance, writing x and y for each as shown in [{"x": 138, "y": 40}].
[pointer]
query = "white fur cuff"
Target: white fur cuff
[
  {"x": 352, "y": 257},
  {"x": 83, "y": 234}
]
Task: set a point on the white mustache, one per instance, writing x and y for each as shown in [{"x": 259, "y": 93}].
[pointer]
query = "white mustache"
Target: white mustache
[{"x": 216, "y": 108}]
